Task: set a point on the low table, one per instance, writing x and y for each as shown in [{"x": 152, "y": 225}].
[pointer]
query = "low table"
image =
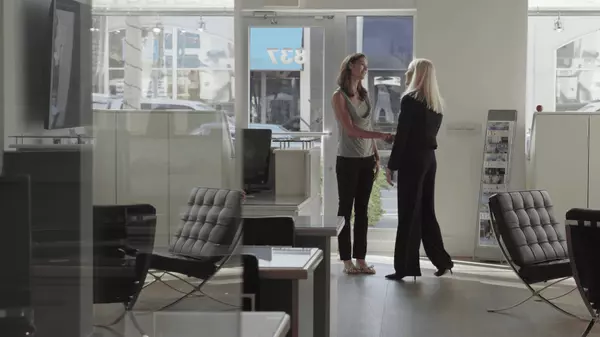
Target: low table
[
  {"x": 266, "y": 203},
  {"x": 287, "y": 283},
  {"x": 209, "y": 324},
  {"x": 317, "y": 231}
]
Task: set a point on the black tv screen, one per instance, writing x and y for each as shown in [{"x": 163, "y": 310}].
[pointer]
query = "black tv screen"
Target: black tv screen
[
  {"x": 37, "y": 51},
  {"x": 70, "y": 69}
]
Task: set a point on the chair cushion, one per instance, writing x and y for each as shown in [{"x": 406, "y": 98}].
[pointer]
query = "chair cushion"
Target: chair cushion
[
  {"x": 200, "y": 269},
  {"x": 528, "y": 227},
  {"x": 211, "y": 222},
  {"x": 584, "y": 234},
  {"x": 545, "y": 271}
]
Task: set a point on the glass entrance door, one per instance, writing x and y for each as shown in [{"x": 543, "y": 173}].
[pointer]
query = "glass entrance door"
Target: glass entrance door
[{"x": 290, "y": 76}]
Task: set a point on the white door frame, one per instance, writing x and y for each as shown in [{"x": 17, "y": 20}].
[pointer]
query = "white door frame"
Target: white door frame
[
  {"x": 333, "y": 29},
  {"x": 335, "y": 35}
]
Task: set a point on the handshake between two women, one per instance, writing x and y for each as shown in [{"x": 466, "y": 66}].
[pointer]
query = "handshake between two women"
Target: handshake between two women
[{"x": 387, "y": 137}]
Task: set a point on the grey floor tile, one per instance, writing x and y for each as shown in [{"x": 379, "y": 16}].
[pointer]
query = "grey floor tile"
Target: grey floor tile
[
  {"x": 370, "y": 306},
  {"x": 450, "y": 307},
  {"x": 360, "y": 299}
]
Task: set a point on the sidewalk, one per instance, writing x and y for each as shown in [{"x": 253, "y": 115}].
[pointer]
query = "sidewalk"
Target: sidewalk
[{"x": 390, "y": 209}]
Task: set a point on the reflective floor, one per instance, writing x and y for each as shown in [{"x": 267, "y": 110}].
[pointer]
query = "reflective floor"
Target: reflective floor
[
  {"x": 370, "y": 306},
  {"x": 449, "y": 306}
]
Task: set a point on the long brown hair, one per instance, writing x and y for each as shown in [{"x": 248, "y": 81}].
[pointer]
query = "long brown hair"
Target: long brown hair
[{"x": 344, "y": 79}]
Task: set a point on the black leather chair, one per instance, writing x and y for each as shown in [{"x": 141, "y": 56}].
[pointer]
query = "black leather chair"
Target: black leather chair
[
  {"x": 269, "y": 231},
  {"x": 583, "y": 236},
  {"x": 123, "y": 237},
  {"x": 533, "y": 242},
  {"x": 209, "y": 232}
]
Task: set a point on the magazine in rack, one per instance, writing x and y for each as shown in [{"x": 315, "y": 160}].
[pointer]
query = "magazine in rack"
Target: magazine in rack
[{"x": 495, "y": 175}]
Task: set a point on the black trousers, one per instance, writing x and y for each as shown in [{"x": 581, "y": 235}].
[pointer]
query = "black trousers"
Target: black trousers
[
  {"x": 355, "y": 181},
  {"x": 416, "y": 216}
]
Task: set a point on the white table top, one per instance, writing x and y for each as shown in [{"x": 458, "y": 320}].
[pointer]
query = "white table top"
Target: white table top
[
  {"x": 285, "y": 262},
  {"x": 269, "y": 199},
  {"x": 212, "y": 324}
]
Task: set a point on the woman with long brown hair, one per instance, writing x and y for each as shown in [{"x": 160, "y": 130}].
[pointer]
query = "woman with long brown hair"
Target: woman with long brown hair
[{"x": 357, "y": 162}]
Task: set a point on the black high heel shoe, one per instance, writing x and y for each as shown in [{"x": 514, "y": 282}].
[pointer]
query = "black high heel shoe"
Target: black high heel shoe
[
  {"x": 442, "y": 272},
  {"x": 399, "y": 277}
]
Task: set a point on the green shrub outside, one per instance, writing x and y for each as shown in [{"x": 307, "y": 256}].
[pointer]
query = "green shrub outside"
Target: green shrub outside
[{"x": 375, "y": 207}]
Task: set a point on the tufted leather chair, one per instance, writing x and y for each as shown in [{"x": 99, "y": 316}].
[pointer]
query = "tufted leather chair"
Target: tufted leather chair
[
  {"x": 208, "y": 233},
  {"x": 536, "y": 242},
  {"x": 583, "y": 232}
]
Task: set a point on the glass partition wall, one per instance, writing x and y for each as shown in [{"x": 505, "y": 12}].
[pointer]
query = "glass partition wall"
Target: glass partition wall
[{"x": 163, "y": 99}]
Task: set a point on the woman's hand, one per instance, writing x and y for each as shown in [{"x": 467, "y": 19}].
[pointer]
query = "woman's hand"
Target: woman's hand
[
  {"x": 389, "y": 176},
  {"x": 387, "y": 137},
  {"x": 377, "y": 167}
]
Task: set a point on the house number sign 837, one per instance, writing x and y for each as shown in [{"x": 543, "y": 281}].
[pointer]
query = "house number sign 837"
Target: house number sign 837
[{"x": 286, "y": 55}]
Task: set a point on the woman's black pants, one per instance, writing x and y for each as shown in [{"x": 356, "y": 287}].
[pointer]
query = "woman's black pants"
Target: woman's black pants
[
  {"x": 416, "y": 216},
  {"x": 355, "y": 180}
]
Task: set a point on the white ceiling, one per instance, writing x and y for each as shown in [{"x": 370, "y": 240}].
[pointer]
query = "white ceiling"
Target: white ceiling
[{"x": 566, "y": 4}]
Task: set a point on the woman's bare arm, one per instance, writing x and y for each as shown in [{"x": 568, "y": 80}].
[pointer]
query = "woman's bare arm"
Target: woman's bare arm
[{"x": 341, "y": 114}]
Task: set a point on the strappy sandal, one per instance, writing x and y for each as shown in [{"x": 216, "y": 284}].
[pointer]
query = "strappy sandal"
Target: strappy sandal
[
  {"x": 351, "y": 270},
  {"x": 369, "y": 270}
]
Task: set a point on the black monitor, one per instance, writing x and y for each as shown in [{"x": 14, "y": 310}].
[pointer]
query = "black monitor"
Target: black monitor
[{"x": 257, "y": 157}]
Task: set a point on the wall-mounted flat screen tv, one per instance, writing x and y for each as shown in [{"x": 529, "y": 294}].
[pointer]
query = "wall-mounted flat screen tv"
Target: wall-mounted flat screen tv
[{"x": 70, "y": 80}]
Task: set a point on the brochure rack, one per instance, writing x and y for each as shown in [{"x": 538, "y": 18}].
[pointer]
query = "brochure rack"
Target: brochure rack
[{"x": 495, "y": 177}]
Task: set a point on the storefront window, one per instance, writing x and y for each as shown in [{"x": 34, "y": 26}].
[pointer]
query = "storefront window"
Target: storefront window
[
  {"x": 578, "y": 74},
  {"x": 388, "y": 43},
  {"x": 182, "y": 58}
]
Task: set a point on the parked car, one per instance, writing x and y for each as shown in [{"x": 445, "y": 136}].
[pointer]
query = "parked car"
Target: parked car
[
  {"x": 590, "y": 107},
  {"x": 105, "y": 102}
]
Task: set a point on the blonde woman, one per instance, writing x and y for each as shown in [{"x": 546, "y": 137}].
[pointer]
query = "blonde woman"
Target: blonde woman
[
  {"x": 357, "y": 162},
  {"x": 413, "y": 158}
]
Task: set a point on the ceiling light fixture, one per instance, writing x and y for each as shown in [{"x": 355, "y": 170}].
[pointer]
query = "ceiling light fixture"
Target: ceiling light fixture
[
  {"x": 201, "y": 25},
  {"x": 157, "y": 29},
  {"x": 558, "y": 25}
]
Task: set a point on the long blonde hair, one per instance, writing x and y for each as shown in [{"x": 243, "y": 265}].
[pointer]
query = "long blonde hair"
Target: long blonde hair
[{"x": 424, "y": 85}]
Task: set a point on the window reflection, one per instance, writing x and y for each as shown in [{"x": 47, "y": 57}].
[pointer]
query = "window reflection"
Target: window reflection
[
  {"x": 578, "y": 74},
  {"x": 183, "y": 59}
]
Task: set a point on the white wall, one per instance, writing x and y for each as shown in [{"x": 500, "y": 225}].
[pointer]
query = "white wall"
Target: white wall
[
  {"x": 571, "y": 4},
  {"x": 480, "y": 49},
  {"x": 543, "y": 42},
  {"x": 336, "y": 4},
  {"x": 15, "y": 117}
]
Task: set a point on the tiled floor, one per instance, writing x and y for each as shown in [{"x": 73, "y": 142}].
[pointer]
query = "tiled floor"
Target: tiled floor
[
  {"x": 370, "y": 306},
  {"x": 449, "y": 306}
]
